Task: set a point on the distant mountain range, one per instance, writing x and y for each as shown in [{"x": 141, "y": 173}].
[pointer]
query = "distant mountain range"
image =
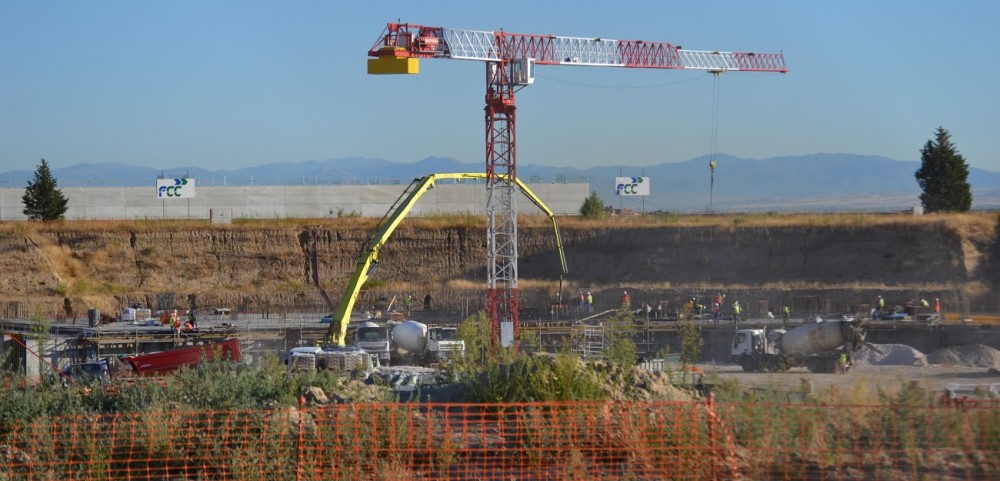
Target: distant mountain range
[{"x": 816, "y": 182}]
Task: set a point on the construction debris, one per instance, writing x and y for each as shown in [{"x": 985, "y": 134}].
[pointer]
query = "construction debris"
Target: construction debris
[
  {"x": 408, "y": 378},
  {"x": 315, "y": 395}
]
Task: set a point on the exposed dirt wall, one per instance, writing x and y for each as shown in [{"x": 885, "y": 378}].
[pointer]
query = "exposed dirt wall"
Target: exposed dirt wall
[
  {"x": 258, "y": 268},
  {"x": 904, "y": 255}
]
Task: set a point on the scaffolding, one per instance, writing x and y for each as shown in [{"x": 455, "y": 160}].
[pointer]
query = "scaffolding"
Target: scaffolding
[{"x": 591, "y": 344}]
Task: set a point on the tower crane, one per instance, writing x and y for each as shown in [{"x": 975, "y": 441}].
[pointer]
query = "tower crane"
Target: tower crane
[{"x": 510, "y": 60}]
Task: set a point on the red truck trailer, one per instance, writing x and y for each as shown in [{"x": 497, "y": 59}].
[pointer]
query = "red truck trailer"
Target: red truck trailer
[{"x": 168, "y": 361}]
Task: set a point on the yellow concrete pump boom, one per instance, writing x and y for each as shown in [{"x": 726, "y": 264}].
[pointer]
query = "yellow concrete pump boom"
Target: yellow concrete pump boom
[{"x": 385, "y": 227}]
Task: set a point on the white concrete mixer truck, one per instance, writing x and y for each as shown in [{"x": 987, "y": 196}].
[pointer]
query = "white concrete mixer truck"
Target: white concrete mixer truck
[
  {"x": 375, "y": 340},
  {"x": 427, "y": 344},
  {"x": 817, "y": 346}
]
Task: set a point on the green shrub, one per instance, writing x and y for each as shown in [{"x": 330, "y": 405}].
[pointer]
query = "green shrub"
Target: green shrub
[
  {"x": 691, "y": 340},
  {"x": 497, "y": 375},
  {"x": 620, "y": 348}
]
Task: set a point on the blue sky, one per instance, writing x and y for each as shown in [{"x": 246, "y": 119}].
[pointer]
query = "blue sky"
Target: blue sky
[{"x": 229, "y": 84}]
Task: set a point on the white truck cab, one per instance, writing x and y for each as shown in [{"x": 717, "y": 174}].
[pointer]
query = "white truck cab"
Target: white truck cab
[
  {"x": 444, "y": 341},
  {"x": 746, "y": 342},
  {"x": 375, "y": 340}
]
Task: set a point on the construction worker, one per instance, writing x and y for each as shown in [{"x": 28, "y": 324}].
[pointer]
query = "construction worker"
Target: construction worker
[
  {"x": 881, "y": 304},
  {"x": 842, "y": 363},
  {"x": 626, "y": 300},
  {"x": 937, "y": 305},
  {"x": 407, "y": 303},
  {"x": 583, "y": 301},
  {"x": 590, "y": 302},
  {"x": 716, "y": 312},
  {"x": 736, "y": 311},
  {"x": 785, "y": 312}
]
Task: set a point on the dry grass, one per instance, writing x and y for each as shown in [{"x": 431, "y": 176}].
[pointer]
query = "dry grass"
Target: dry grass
[
  {"x": 977, "y": 224},
  {"x": 464, "y": 284},
  {"x": 977, "y": 221},
  {"x": 796, "y": 285},
  {"x": 61, "y": 261},
  {"x": 981, "y": 224},
  {"x": 975, "y": 288},
  {"x": 142, "y": 225}
]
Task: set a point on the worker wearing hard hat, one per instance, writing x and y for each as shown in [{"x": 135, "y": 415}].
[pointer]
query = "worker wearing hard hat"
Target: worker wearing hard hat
[
  {"x": 626, "y": 300},
  {"x": 736, "y": 311},
  {"x": 590, "y": 302}
]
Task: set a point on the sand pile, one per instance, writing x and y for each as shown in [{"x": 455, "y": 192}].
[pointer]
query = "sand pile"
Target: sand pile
[
  {"x": 642, "y": 385},
  {"x": 891, "y": 355},
  {"x": 972, "y": 355}
]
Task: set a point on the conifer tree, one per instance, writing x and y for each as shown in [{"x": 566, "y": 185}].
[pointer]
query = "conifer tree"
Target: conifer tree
[
  {"x": 42, "y": 198},
  {"x": 943, "y": 176},
  {"x": 593, "y": 207}
]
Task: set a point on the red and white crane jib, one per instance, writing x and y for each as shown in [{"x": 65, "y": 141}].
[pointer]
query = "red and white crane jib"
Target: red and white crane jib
[
  {"x": 509, "y": 58},
  {"x": 406, "y": 41}
]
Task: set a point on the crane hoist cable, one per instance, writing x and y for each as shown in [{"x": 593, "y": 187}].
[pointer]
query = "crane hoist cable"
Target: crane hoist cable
[{"x": 713, "y": 136}]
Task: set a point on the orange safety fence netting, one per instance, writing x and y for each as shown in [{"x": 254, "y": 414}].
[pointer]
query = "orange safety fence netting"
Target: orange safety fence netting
[{"x": 537, "y": 441}]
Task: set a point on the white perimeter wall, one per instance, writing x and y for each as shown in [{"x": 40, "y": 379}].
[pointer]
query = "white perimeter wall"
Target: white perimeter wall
[{"x": 288, "y": 201}]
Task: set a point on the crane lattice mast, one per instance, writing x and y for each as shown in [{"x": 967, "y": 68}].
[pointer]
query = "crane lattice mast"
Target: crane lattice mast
[{"x": 510, "y": 60}]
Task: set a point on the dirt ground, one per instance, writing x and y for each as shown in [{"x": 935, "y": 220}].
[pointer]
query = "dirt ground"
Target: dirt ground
[{"x": 861, "y": 384}]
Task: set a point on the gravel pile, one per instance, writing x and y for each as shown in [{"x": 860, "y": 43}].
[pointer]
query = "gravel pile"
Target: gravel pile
[
  {"x": 891, "y": 355},
  {"x": 972, "y": 355}
]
